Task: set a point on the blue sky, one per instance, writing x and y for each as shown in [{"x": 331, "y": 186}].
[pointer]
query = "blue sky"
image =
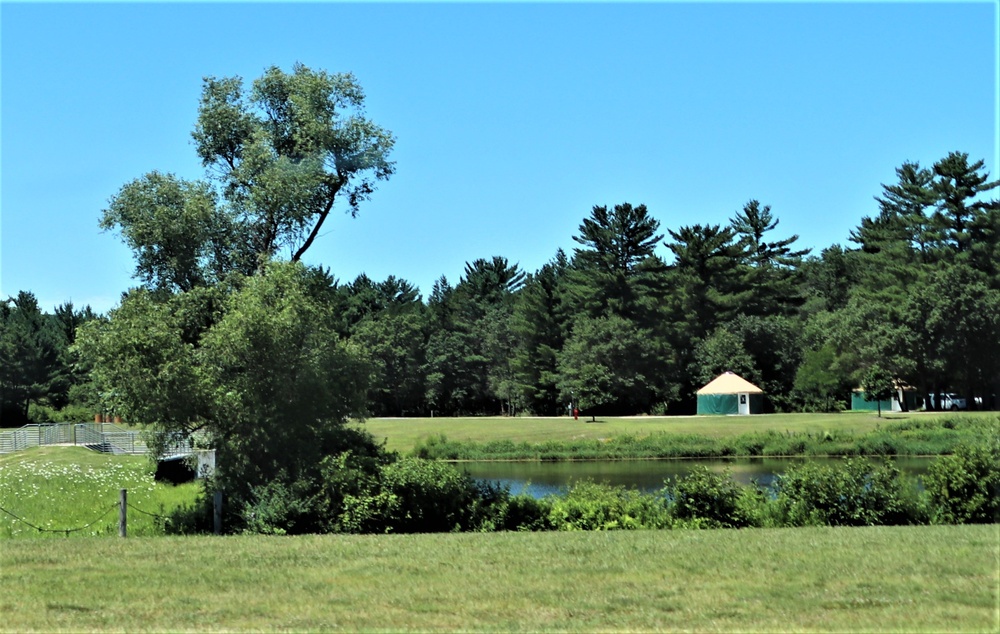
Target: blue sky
[{"x": 512, "y": 120}]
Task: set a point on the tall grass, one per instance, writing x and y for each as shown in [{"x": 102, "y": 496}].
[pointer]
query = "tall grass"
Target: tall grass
[
  {"x": 898, "y": 579},
  {"x": 73, "y": 491}
]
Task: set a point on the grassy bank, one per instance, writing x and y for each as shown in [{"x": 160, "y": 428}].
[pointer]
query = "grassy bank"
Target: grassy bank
[
  {"x": 69, "y": 488},
  {"x": 707, "y": 436},
  {"x": 940, "y": 578},
  {"x": 403, "y": 434}
]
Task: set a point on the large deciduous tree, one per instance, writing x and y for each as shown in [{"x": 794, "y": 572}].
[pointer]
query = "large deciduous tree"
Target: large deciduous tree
[
  {"x": 279, "y": 156},
  {"x": 223, "y": 336},
  {"x": 608, "y": 361}
]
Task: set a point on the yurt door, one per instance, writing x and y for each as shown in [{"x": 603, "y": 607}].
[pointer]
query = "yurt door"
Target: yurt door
[{"x": 744, "y": 404}]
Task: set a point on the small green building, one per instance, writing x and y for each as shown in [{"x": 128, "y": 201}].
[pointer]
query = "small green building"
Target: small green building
[
  {"x": 903, "y": 394},
  {"x": 730, "y": 393}
]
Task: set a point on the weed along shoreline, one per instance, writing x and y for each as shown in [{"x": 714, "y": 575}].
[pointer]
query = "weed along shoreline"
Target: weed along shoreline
[{"x": 911, "y": 437}]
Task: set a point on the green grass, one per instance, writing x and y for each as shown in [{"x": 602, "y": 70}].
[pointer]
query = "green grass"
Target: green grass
[
  {"x": 860, "y": 433},
  {"x": 902, "y": 579},
  {"x": 60, "y": 488}
]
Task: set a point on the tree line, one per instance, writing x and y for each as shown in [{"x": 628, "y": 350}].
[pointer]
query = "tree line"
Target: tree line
[
  {"x": 610, "y": 328},
  {"x": 614, "y": 328}
]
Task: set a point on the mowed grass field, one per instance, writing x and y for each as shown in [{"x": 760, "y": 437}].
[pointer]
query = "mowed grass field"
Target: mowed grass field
[
  {"x": 403, "y": 434},
  {"x": 900, "y": 579}
]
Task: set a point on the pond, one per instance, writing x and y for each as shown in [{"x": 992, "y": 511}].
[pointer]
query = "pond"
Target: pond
[{"x": 539, "y": 479}]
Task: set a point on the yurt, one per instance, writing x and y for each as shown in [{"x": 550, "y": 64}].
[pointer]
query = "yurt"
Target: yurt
[{"x": 730, "y": 394}]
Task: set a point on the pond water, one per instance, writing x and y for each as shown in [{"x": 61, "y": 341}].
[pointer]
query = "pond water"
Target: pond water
[{"x": 539, "y": 479}]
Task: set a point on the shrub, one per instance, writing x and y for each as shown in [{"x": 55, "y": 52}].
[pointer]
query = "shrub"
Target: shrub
[
  {"x": 591, "y": 506},
  {"x": 524, "y": 513},
  {"x": 278, "y": 508},
  {"x": 711, "y": 499},
  {"x": 413, "y": 495},
  {"x": 964, "y": 488},
  {"x": 856, "y": 493}
]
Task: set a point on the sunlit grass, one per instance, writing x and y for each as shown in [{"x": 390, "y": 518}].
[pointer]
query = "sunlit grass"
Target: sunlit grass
[
  {"x": 938, "y": 578},
  {"x": 66, "y": 488},
  {"x": 404, "y": 434}
]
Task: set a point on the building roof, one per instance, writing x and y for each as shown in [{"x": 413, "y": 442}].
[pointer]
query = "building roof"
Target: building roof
[{"x": 729, "y": 383}]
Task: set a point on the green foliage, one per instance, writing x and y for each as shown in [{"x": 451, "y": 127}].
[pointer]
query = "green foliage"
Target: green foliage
[
  {"x": 470, "y": 350},
  {"x": 878, "y": 385},
  {"x": 857, "y": 493},
  {"x": 768, "y": 265},
  {"x": 589, "y": 506},
  {"x": 34, "y": 367},
  {"x": 704, "y": 277},
  {"x": 413, "y": 495},
  {"x": 179, "y": 238},
  {"x": 964, "y": 488},
  {"x": 817, "y": 386},
  {"x": 763, "y": 350},
  {"x": 523, "y": 512},
  {"x": 276, "y": 508},
  {"x": 259, "y": 367},
  {"x": 616, "y": 272},
  {"x": 538, "y": 329},
  {"x": 393, "y": 345},
  {"x": 607, "y": 360},
  {"x": 708, "y": 500}
]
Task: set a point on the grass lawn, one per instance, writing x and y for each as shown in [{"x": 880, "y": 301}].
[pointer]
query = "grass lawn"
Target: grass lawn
[
  {"x": 903, "y": 579},
  {"x": 402, "y": 434}
]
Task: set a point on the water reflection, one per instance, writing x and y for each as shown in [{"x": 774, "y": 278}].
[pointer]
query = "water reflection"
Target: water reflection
[{"x": 539, "y": 479}]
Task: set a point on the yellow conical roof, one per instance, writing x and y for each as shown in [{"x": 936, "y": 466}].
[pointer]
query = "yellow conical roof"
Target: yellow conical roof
[{"x": 729, "y": 383}]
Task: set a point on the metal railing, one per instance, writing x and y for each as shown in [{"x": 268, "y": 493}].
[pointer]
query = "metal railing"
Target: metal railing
[{"x": 102, "y": 436}]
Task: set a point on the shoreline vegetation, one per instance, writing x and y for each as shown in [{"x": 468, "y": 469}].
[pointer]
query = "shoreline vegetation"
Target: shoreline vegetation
[
  {"x": 922, "y": 435},
  {"x": 961, "y": 486}
]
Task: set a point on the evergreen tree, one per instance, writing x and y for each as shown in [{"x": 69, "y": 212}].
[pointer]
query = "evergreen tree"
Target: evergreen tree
[
  {"x": 769, "y": 267},
  {"x": 33, "y": 359},
  {"x": 540, "y": 333},
  {"x": 705, "y": 278},
  {"x": 615, "y": 272}
]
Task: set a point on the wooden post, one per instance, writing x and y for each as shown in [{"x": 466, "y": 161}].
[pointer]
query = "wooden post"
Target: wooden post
[
  {"x": 218, "y": 512},
  {"x": 122, "y": 518}
]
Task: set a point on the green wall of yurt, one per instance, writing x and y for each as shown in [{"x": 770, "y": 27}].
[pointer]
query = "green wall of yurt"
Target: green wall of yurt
[
  {"x": 858, "y": 403},
  {"x": 718, "y": 404},
  {"x": 725, "y": 404}
]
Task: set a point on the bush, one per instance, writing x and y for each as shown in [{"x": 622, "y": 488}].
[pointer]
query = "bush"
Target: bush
[
  {"x": 588, "y": 506},
  {"x": 413, "y": 495},
  {"x": 277, "y": 509},
  {"x": 524, "y": 513},
  {"x": 857, "y": 493},
  {"x": 712, "y": 500},
  {"x": 964, "y": 488}
]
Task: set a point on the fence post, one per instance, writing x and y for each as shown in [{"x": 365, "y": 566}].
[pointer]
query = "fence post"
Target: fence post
[
  {"x": 122, "y": 518},
  {"x": 218, "y": 512}
]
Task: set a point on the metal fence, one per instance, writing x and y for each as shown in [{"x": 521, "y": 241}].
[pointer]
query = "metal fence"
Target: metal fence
[{"x": 101, "y": 436}]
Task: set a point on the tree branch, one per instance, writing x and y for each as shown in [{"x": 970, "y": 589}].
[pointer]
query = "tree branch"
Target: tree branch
[{"x": 319, "y": 223}]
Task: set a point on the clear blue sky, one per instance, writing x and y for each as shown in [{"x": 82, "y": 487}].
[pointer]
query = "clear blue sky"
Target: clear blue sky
[{"x": 512, "y": 120}]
